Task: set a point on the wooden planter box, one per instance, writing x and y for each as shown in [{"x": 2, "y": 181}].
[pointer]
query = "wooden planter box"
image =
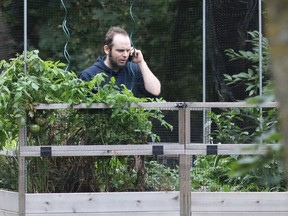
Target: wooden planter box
[
  {"x": 183, "y": 202},
  {"x": 146, "y": 204}
]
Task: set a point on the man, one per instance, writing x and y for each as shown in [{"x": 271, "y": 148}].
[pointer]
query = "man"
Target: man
[{"x": 135, "y": 74}]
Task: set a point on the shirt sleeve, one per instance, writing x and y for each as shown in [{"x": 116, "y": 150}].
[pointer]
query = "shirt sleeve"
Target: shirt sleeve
[
  {"x": 141, "y": 87},
  {"x": 88, "y": 73}
]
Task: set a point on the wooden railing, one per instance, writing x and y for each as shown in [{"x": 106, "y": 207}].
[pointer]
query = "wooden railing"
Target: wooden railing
[{"x": 184, "y": 149}]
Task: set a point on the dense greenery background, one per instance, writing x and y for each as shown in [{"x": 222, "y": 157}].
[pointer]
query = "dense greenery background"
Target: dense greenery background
[{"x": 169, "y": 32}]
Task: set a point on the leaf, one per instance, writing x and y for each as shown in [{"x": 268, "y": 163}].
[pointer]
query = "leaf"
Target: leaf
[
  {"x": 53, "y": 87},
  {"x": 228, "y": 77},
  {"x": 35, "y": 86},
  {"x": 250, "y": 87},
  {"x": 243, "y": 75}
]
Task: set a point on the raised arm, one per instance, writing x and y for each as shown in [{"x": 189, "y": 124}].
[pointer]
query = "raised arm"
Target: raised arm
[{"x": 151, "y": 82}]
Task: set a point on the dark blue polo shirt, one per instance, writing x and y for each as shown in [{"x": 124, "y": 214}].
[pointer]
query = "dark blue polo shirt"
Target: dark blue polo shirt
[{"x": 130, "y": 76}]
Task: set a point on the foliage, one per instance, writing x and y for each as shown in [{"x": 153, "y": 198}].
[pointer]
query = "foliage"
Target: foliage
[
  {"x": 251, "y": 125},
  {"x": 210, "y": 173},
  {"x": 213, "y": 173},
  {"x": 44, "y": 82},
  {"x": 251, "y": 77},
  {"x": 47, "y": 82},
  {"x": 88, "y": 22},
  {"x": 161, "y": 177},
  {"x": 8, "y": 173},
  {"x": 228, "y": 128}
]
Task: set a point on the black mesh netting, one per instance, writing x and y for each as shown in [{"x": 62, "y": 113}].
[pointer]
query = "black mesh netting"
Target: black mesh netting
[{"x": 169, "y": 33}]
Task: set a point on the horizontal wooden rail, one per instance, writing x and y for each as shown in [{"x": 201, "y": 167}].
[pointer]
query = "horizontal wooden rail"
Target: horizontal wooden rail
[
  {"x": 147, "y": 149},
  {"x": 147, "y": 204},
  {"x": 180, "y": 202},
  {"x": 161, "y": 105},
  {"x": 231, "y": 105},
  {"x": 12, "y": 153}
]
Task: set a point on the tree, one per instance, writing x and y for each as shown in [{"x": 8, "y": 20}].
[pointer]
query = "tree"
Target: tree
[{"x": 277, "y": 31}]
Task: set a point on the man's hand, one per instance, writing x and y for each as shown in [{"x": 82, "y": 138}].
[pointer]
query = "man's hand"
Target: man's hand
[
  {"x": 137, "y": 56},
  {"x": 151, "y": 83}
]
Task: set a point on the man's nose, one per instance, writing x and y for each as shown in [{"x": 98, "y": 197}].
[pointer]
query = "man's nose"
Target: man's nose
[{"x": 126, "y": 53}]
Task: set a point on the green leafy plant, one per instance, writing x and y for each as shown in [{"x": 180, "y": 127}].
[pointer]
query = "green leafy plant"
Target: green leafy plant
[
  {"x": 250, "y": 78},
  {"x": 227, "y": 127},
  {"x": 24, "y": 84},
  {"x": 9, "y": 173},
  {"x": 42, "y": 82},
  {"x": 161, "y": 177},
  {"x": 251, "y": 173},
  {"x": 211, "y": 173}
]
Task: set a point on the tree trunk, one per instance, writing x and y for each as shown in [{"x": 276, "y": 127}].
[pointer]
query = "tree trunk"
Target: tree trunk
[
  {"x": 277, "y": 31},
  {"x": 6, "y": 43}
]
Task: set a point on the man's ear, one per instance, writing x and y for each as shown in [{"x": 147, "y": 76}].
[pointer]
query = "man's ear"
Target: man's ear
[{"x": 106, "y": 49}]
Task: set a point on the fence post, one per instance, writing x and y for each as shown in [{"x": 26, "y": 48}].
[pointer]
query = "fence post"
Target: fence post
[
  {"x": 21, "y": 173},
  {"x": 185, "y": 161}
]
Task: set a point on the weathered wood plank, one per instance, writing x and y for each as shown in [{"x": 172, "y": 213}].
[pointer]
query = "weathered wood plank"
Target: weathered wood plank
[
  {"x": 7, "y": 213},
  {"x": 240, "y": 202},
  {"x": 147, "y": 204},
  {"x": 7, "y": 152},
  {"x": 185, "y": 185},
  {"x": 201, "y": 203},
  {"x": 22, "y": 177},
  {"x": 148, "y": 105},
  {"x": 239, "y": 213},
  {"x": 231, "y": 105},
  {"x": 140, "y": 149},
  {"x": 103, "y": 202},
  {"x": 112, "y": 214},
  {"x": 230, "y": 149},
  {"x": 100, "y": 150},
  {"x": 8, "y": 201},
  {"x": 184, "y": 162},
  {"x": 161, "y": 105},
  {"x": 165, "y": 214}
]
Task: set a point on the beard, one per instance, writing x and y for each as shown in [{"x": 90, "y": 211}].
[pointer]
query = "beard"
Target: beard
[{"x": 114, "y": 64}]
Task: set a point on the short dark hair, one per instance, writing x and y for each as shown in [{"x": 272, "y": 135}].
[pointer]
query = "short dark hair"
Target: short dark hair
[{"x": 111, "y": 33}]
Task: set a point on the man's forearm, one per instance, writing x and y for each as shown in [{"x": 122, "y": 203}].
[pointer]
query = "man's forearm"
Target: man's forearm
[{"x": 151, "y": 82}]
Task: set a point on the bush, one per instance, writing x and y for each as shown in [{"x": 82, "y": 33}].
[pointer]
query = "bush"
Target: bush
[{"x": 47, "y": 82}]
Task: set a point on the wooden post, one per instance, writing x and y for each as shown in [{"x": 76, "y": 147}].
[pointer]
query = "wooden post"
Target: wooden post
[
  {"x": 185, "y": 162},
  {"x": 22, "y": 174}
]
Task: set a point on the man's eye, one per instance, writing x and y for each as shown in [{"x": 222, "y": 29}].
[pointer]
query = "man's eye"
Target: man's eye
[{"x": 123, "y": 50}]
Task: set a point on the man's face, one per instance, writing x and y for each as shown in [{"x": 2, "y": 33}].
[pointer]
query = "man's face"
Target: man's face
[{"x": 119, "y": 53}]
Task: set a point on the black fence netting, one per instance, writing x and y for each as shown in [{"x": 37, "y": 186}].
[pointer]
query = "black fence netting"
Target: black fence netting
[
  {"x": 168, "y": 32},
  {"x": 170, "y": 35},
  {"x": 228, "y": 24}
]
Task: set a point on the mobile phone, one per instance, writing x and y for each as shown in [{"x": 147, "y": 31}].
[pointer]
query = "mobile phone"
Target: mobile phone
[
  {"x": 130, "y": 58},
  {"x": 132, "y": 55}
]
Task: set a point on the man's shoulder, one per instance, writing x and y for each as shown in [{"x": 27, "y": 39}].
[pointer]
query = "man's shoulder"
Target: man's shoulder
[
  {"x": 88, "y": 73},
  {"x": 92, "y": 69}
]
